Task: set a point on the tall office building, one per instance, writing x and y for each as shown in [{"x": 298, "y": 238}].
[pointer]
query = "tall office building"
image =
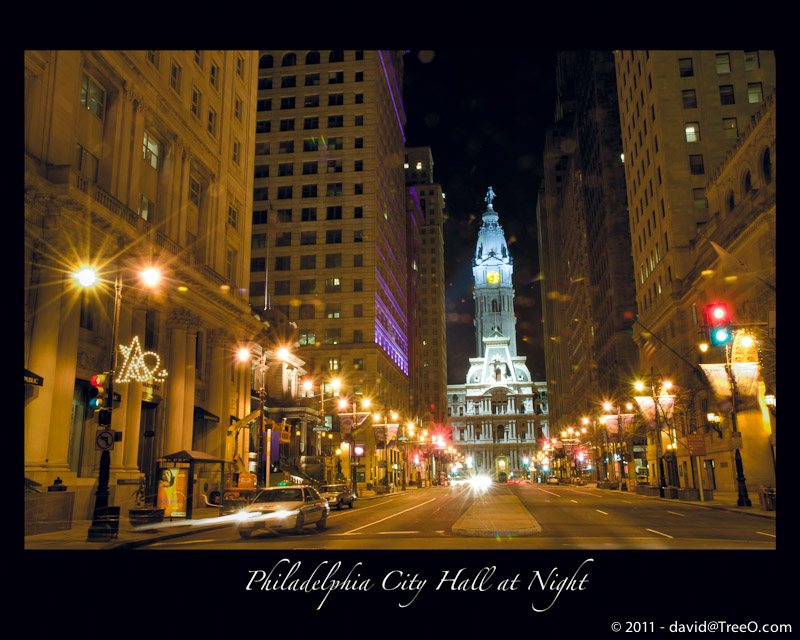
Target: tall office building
[
  {"x": 433, "y": 343},
  {"x": 329, "y": 242},
  {"x": 135, "y": 159},
  {"x": 682, "y": 114}
]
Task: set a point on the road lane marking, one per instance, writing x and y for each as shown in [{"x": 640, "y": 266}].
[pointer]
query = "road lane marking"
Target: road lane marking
[
  {"x": 659, "y": 533},
  {"x": 384, "y": 533},
  {"x": 675, "y": 513},
  {"x": 369, "y": 524},
  {"x": 557, "y": 495},
  {"x": 603, "y": 512},
  {"x": 575, "y": 501},
  {"x": 766, "y": 534}
]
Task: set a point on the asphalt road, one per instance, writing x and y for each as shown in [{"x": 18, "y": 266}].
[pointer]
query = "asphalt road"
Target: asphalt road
[{"x": 574, "y": 518}]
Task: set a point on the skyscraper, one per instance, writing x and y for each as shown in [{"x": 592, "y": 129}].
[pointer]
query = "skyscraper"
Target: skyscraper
[{"x": 329, "y": 243}]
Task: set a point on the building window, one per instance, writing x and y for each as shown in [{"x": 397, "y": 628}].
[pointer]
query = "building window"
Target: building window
[
  {"x": 264, "y": 104},
  {"x": 282, "y": 287},
  {"x": 699, "y": 197},
  {"x": 333, "y": 336},
  {"x": 336, "y": 56},
  {"x": 333, "y": 310},
  {"x": 236, "y": 151},
  {"x": 358, "y": 235},
  {"x": 212, "y": 122},
  {"x": 287, "y": 125},
  {"x": 287, "y": 103},
  {"x": 86, "y": 163},
  {"x": 335, "y": 143},
  {"x": 336, "y": 77},
  {"x": 286, "y": 169},
  {"x": 333, "y": 285},
  {"x": 358, "y": 364},
  {"x": 309, "y": 168},
  {"x": 310, "y": 144},
  {"x": 311, "y": 101},
  {"x": 257, "y": 288},
  {"x": 334, "y": 166},
  {"x": 359, "y": 165},
  {"x": 146, "y": 207},
  {"x": 312, "y": 80},
  {"x": 723, "y": 63},
  {"x": 333, "y": 261},
  {"x": 726, "y": 94},
  {"x": 359, "y": 76},
  {"x": 333, "y": 213},
  {"x": 152, "y": 57},
  {"x": 308, "y": 262},
  {"x": 335, "y": 99},
  {"x": 93, "y": 97},
  {"x": 359, "y": 98},
  {"x": 358, "y": 336},
  {"x": 233, "y": 215},
  {"x": 214, "y": 75},
  {"x": 751, "y": 62},
  {"x": 284, "y": 215},
  {"x": 696, "y": 164},
  {"x": 287, "y": 82},
  {"x": 308, "y": 238},
  {"x": 335, "y": 121},
  {"x": 175, "y": 77},
  {"x": 237, "y": 108},
  {"x": 194, "y": 191},
  {"x": 358, "y": 260},
  {"x": 258, "y": 264},
  {"x": 333, "y": 236},
  {"x": 287, "y": 146},
  {"x": 308, "y": 286},
  {"x": 686, "y": 68},
  {"x": 308, "y": 214},
  {"x": 307, "y": 337},
  {"x": 358, "y": 143},
  {"x": 358, "y": 285},
  {"x": 754, "y": 92},
  {"x": 289, "y": 60},
  {"x": 358, "y": 189},
  {"x": 692, "y": 132},
  {"x": 307, "y": 312},
  {"x": 359, "y": 121},
  {"x": 196, "y": 98},
  {"x": 239, "y": 66},
  {"x": 230, "y": 265},
  {"x": 258, "y": 241},
  {"x": 265, "y": 62},
  {"x": 689, "y": 98},
  {"x": 309, "y": 191},
  {"x": 260, "y": 193},
  {"x": 285, "y": 192},
  {"x": 262, "y": 148},
  {"x": 283, "y": 239},
  {"x": 283, "y": 263},
  {"x": 731, "y": 127},
  {"x": 334, "y": 189},
  {"x": 264, "y": 84},
  {"x": 311, "y": 123},
  {"x": 358, "y": 310}
]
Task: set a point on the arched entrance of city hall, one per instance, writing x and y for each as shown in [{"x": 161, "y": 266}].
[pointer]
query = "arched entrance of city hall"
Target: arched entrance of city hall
[{"x": 501, "y": 468}]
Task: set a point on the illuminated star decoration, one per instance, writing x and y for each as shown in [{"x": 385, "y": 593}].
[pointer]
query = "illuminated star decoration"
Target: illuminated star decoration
[{"x": 135, "y": 368}]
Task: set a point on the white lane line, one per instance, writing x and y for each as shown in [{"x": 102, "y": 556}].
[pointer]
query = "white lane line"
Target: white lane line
[
  {"x": 766, "y": 534},
  {"x": 557, "y": 495},
  {"x": 369, "y": 524},
  {"x": 659, "y": 533},
  {"x": 575, "y": 501},
  {"x": 675, "y": 513},
  {"x": 384, "y": 533},
  {"x": 603, "y": 512}
]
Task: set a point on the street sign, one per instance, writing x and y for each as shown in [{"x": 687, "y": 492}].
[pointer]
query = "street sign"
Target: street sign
[
  {"x": 104, "y": 440},
  {"x": 697, "y": 445}
]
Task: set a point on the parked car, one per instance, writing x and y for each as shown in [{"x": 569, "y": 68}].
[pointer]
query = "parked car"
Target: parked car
[
  {"x": 552, "y": 480},
  {"x": 288, "y": 508},
  {"x": 338, "y": 495}
]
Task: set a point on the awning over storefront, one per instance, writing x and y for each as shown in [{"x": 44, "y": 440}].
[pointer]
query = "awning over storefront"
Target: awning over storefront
[{"x": 202, "y": 414}]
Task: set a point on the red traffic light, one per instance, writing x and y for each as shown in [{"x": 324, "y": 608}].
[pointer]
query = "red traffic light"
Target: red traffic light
[
  {"x": 718, "y": 319},
  {"x": 98, "y": 394}
]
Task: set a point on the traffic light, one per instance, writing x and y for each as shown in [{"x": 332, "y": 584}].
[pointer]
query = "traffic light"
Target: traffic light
[
  {"x": 718, "y": 319},
  {"x": 98, "y": 394}
]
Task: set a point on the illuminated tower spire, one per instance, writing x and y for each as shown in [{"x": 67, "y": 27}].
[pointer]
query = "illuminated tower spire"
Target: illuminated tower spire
[{"x": 492, "y": 269}]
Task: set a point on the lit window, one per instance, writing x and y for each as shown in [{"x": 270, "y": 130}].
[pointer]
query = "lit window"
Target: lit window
[
  {"x": 93, "y": 97},
  {"x": 692, "y": 132},
  {"x": 754, "y": 92},
  {"x": 723, "y": 63},
  {"x": 151, "y": 150}
]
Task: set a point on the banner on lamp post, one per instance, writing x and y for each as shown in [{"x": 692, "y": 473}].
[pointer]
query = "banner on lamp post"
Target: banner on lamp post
[{"x": 745, "y": 376}]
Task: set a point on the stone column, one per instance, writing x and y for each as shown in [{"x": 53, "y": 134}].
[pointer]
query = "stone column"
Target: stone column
[
  {"x": 176, "y": 382},
  {"x": 217, "y": 339},
  {"x": 64, "y": 380},
  {"x": 193, "y": 323},
  {"x": 133, "y": 405},
  {"x": 42, "y": 361}
]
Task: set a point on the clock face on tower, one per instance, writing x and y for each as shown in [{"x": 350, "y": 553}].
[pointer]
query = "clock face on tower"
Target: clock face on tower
[{"x": 492, "y": 277}]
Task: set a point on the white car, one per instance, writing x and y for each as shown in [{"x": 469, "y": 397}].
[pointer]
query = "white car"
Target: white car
[
  {"x": 552, "y": 480},
  {"x": 338, "y": 495},
  {"x": 288, "y": 508}
]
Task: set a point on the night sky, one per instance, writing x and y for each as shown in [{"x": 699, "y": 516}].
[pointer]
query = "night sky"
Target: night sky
[{"x": 484, "y": 113}]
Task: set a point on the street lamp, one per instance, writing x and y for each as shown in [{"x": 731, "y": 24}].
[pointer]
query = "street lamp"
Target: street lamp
[
  {"x": 620, "y": 439},
  {"x": 100, "y": 528},
  {"x": 664, "y": 401}
]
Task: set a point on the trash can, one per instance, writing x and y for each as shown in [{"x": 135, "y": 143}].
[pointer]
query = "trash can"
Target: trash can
[{"x": 766, "y": 497}]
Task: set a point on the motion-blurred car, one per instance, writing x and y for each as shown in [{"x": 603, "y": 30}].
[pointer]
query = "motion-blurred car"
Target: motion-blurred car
[
  {"x": 552, "y": 480},
  {"x": 283, "y": 509},
  {"x": 338, "y": 495}
]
